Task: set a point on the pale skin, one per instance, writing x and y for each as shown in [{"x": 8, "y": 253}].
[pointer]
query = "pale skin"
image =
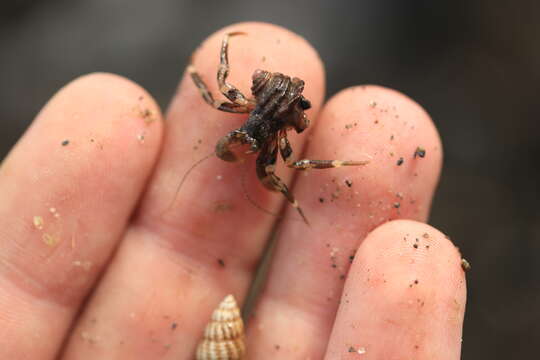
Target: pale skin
[{"x": 96, "y": 263}]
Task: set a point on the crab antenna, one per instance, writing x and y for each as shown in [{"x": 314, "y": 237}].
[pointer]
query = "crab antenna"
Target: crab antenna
[{"x": 197, "y": 163}]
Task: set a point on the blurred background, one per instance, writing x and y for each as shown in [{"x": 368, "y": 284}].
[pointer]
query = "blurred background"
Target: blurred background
[{"x": 474, "y": 65}]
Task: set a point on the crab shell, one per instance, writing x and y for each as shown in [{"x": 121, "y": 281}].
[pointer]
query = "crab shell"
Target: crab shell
[{"x": 224, "y": 335}]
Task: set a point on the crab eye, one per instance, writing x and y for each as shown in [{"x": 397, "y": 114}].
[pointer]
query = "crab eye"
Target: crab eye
[{"x": 305, "y": 104}]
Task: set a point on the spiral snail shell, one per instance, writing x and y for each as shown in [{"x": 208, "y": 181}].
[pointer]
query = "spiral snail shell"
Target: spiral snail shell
[{"x": 224, "y": 335}]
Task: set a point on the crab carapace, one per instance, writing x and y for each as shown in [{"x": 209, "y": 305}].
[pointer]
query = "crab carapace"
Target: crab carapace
[{"x": 277, "y": 105}]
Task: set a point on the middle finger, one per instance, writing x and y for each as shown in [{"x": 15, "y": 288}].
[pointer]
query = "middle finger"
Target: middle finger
[{"x": 189, "y": 255}]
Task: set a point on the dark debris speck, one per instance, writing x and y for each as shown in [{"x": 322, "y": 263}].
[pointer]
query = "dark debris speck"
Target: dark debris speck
[
  {"x": 65, "y": 143},
  {"x": 420, "y": 152},
  {"x": 400, "y": 161}
]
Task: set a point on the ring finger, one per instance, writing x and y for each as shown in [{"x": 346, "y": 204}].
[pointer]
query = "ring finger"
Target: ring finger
[{"x": 297, "y": 308}]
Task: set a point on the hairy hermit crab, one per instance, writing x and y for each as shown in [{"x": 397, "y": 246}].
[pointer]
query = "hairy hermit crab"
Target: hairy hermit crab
[{"x": 277, "y": 105}]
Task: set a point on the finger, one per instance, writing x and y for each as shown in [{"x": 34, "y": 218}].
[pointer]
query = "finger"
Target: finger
[
  {"x": 343, "y": 205},
  {"x": 190, "y": 255},
  {"x": 404, "y": 297},
  {"x": 66, "y": 192}
]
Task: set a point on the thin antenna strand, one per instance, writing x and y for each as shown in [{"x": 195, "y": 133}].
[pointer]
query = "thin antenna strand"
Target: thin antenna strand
[{"x": 197, "y": 163}]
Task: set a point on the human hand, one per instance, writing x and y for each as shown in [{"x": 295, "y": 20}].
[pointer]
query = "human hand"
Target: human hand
[{"x": 96, "y": 263}]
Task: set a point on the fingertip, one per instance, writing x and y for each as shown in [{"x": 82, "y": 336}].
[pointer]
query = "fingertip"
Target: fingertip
[
  {"x": 108, "y": 89},
  {"x": 406, "y": 290},
  {"x": 406, "y": 244},
  {"x": 388, "y": 125},
  {"x": 411, "y": 261},
  {"x": 387, "y": 130},
  {"x": 101, "y": 103}
]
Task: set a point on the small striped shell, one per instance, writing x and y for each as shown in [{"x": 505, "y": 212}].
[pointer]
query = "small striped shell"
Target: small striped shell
[{"x": 224, "y": 335}]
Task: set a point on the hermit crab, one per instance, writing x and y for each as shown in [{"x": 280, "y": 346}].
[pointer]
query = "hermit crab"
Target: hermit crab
[{"x": 277, "y": 106}]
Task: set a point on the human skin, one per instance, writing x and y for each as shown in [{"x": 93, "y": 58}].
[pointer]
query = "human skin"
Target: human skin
[{"x": 101, "y": 259}]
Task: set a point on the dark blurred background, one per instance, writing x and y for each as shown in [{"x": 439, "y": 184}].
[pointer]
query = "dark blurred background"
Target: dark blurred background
[{"x": 474, "y": 65}]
